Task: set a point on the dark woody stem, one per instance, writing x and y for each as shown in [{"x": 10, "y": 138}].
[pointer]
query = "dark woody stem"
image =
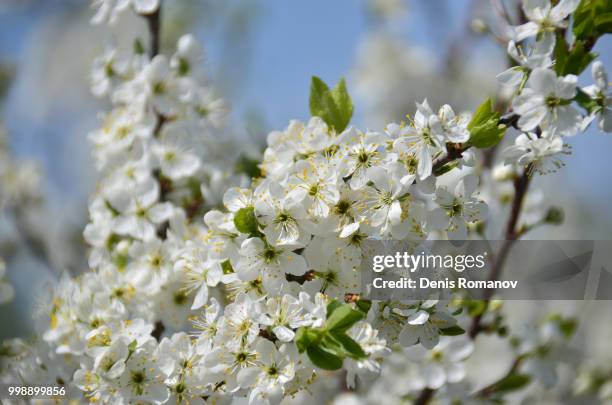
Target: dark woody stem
[
  {"x": 521, "y": 185},
  {"x": 154, "y": 25}
]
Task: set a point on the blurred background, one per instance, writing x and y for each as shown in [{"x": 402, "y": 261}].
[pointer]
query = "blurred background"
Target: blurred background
[{"x": 260, "y": 56}]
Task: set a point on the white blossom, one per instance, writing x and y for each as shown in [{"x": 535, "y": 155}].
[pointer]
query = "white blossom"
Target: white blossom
[
  {"x": 203, "y": 281},
  {"x": 442, "y": 364},
  {"x": 546, "y": 101},
  {"x": 542, "y": 151},
  {"x": 602, "y": 94},
  {"x": 544, "y": 18},
  {"x": 536, "y": 56}
]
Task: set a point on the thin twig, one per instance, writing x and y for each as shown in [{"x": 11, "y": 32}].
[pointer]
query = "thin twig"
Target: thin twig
[
  {"x": 521, "y": 185},
  {"x": 454, "y": 152},
  {"x": 154, "y": 25},
  {"x": 308, "y": 276},
  {"x": 424, "y": 396}
]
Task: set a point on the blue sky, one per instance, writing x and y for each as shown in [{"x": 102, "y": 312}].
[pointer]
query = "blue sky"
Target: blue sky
[
  {"x": 298, "y": 39},
  {"x": 289, "y": 42}
]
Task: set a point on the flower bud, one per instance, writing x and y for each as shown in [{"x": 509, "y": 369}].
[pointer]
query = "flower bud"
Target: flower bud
[
  {"x": 503, "y": 172},
  {"x": 479, "y": 26},
  {"x": 554, "y": 216}
]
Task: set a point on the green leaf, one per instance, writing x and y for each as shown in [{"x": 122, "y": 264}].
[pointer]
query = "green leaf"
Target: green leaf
[
  {"x": 322, "y": 103},
  {"x": 568, "y": 327},
  {"x": 585, "y": 101},
  {"x": 485, "y": 129},
  {"x": 511, "y": 382},
  {"x": 332, "y": 306},
  {"x": 454, "y": 330},
  {"x": 457, "y": 311},
  {"x": 343, "y": 318},
  {"x": 246, "y": 222},
  {"x": 579, "y": 59},
  {"x": 476, "y": 308},
  {"x": 350, "y": 347},
  {"x": 334, "y": 106},
  {"x": 482, "y": 113},
  {"x": 306, "y": 337},
  {"x": 324, "y": 358},
  {"x": 132, "y": 346},
  {"x": 248, "y": 166},
  {"x": 363, "y": 305},
  {"x": 561, "y": 53},
  {"x": 344, "y": 104},
  {"x": 582, "y": 14},
  {"x": 603, "y": 23},
  {"x": 571, "y": 61},
  {"x": 592, "y": 19},
  {"x": 446, "y": 168},
  {"x": 554, "y": 216}
]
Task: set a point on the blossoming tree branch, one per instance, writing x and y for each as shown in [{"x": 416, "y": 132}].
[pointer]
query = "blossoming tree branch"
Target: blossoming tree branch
[{"x": 213, "y": 280}]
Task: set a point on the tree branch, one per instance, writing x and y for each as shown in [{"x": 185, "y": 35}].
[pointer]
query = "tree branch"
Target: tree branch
[
  {"x": 454, "y": 151},
  {"x": 154, "y": 25},
  {"x": 424, "y": 396},
  {"x": 308, "y": 276},
  {"x": 521, "y": 185}
]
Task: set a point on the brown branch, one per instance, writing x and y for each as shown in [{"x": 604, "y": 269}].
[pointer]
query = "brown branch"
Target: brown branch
[
  {"x": 424, "y": 396},
  {"x": 454, "y": 152},
  {"x": 308, "y": 276},
  {"x": 264, "y": 333},
  {"x": 158, "y": 330},
  {"x": 154, "y": 25},
  {"x": 510, "y": 120},
  {"x": 521, "y": 185}
]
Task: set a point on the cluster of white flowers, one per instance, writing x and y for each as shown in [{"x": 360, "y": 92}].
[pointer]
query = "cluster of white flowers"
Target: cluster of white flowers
[
  {"x": 544, "y": 100},
  {"x": 407, "y": 372},
  {"x": 110, "y": 10},
  {"x": 277, "y": 256},
  {"x": 595, "y": 382},
  {"x": 541, "y": 348},
  {"x": 20, "y": 179},
  {"x": 602, "y": 94},
  {"x": 249, "y": 303}
]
